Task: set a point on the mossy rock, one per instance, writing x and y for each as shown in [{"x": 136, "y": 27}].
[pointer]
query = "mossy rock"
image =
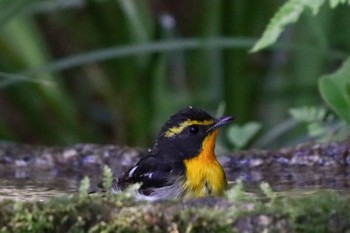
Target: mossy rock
[{"x": 324, "y": 211}]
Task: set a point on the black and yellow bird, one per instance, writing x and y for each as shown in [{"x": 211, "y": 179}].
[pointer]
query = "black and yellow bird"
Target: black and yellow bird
[{"x": 182, "y": 162}]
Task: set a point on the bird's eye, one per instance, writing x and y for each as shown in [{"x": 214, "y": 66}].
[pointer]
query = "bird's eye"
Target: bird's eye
[{"x": 193, "y": 129}]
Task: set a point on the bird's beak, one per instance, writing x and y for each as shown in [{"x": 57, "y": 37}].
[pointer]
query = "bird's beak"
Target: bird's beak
[{"x": 220, "y": 122}]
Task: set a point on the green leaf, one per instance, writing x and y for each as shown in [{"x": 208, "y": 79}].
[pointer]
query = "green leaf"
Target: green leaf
[
  {"x": 289, "y": 13},
  {"x": 316, "y": 129},
  {"x": 334, "y": 89},
  {"x": 314, "y": 118},
  {"x": 236, "y": 193},
  {"x": 267, "y": 190},
  {"x": 308, "y": 114},
  {"x": 335, "y": 3},
  {"x": 241, "y": 135},
  {"x": 107, "y": 179},
  {"x": 347, "y": 88},
  {"x": 84, "y": 188}
]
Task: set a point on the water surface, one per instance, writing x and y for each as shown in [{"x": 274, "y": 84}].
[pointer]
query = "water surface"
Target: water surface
[{"x": 41, "y": 184}]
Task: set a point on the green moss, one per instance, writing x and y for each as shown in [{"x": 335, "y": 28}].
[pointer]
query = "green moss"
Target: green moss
[{"x": 325, "y": 211}]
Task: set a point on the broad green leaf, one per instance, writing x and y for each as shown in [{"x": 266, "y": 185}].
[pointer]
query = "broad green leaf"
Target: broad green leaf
[
  {"x": 334, "y": 89},
  {"x": 241, "y": 135}
]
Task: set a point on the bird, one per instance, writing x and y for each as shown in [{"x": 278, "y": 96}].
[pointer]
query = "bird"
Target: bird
[{"x": 182, "y": 162}]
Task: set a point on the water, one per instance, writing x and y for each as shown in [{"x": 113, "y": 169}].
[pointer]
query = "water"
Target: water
[
  {"x": 40, "y": 172},
  {"x": 27, "y": 191},
  {"x": 40, "y": 184}
]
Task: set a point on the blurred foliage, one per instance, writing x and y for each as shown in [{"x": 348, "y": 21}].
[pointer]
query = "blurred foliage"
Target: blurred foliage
[
  {"x": 240, "y": 136},
  {"x": 289, "y": 13},
  {"x": 335, "y": 89},
  {"x": 113, "y": 71},
  {"x": 107, "y": 180},
  {"x": 321, "y": 125}
]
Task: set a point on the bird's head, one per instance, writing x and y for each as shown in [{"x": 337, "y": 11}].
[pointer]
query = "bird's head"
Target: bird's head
[{"x": 185, "y": 134}]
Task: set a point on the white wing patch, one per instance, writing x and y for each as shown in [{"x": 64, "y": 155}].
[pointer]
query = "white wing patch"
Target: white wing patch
[{"x": 131, "y": 172}]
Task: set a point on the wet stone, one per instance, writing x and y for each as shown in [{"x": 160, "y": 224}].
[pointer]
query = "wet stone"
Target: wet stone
[{"x": 309, "y": 165}]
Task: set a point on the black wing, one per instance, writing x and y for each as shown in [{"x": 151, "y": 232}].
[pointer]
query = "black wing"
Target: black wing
[{"x": 152, "y": 172}]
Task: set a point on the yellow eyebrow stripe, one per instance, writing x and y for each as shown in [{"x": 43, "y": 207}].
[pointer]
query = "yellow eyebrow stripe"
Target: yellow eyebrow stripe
[{"x": 178, "y": 129}]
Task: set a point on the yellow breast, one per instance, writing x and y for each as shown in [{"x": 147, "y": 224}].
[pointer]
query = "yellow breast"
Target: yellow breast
[{"x": 204, "y": 174}]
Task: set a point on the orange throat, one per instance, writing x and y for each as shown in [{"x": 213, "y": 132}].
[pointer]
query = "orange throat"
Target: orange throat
[{"x": 204, "y": 174}]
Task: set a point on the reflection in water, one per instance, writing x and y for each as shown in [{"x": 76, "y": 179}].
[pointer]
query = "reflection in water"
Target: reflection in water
[
  {"x": 35, "y": 184},
  {"x": 294, "y": 178},
  {"x": 39, "y": 172},
  {"x": 27, "y": 193},
  {"x": 25, "y": 183}
]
